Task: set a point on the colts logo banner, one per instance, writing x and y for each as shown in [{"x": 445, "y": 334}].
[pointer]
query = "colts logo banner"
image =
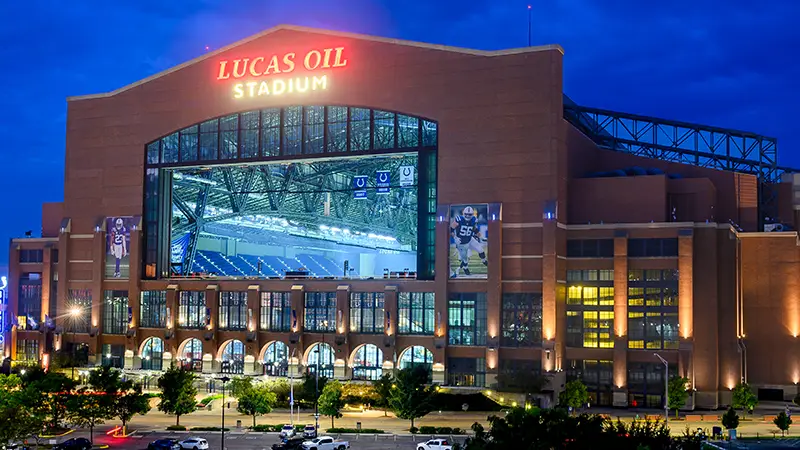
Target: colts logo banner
[
  {"x": 382, "y": 178},
  {"x": 360, "y": 187}
]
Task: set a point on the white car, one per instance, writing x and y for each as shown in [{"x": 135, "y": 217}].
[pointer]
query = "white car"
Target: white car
[
  {"x": 325, "y": 443},
  {"x": 310, "y": 432},
  {"x": 435, "y": 444},
  {"x": 194, "y": 443},
  {"x": 287, "y": 431}
]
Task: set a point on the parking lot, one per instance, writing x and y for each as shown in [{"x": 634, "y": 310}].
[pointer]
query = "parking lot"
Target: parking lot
[{"x": 257, "y": 441}]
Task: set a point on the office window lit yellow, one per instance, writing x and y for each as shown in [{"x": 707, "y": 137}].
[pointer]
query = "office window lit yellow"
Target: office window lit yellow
[
  {"x": 652, "y": 296},
  {"x": 574, "y": 295},
  {"x": 590, "y": 296},
  {"x": 606, "y": 296},
  {"x": 635, "y": 296},
  {"x": 636, "y": 344}
]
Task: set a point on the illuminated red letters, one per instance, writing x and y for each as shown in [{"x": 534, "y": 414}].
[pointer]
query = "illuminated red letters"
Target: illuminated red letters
[{"x": 325, "y": 58}]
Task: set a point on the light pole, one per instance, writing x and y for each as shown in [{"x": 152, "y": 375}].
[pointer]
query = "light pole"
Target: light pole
[
  {"x": 666, "y": 388},
  {"x": 291, "y": 388},
  {"x": 74, "y": 313},
  {"x": 224, "y": 380},
  {"x": 324, "y": 327}
]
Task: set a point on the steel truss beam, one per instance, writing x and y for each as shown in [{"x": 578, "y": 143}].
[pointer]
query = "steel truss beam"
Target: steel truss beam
[{"x": 686, "y": 143}]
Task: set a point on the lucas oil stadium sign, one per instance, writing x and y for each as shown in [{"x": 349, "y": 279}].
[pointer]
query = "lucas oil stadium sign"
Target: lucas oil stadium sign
[{"x": 250, "y": 73}]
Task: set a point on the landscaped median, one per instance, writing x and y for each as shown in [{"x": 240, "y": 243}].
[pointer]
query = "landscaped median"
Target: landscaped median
[{"x": 183, "y": 428}]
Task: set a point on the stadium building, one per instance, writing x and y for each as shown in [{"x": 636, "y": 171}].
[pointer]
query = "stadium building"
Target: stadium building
[{"x": 307, "y": 200}]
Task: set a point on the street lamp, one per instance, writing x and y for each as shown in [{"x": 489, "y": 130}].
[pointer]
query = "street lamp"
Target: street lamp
[
  {"x": 291, "y": 388},
  {"x": 324, "y": 326},
  {"x": 224, "y": 380},
  {"x": 74, "y": 314},
  {"x": 666, "y": 388}
]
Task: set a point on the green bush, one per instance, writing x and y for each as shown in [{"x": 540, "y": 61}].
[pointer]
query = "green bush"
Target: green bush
[
  {"x": 176, "y": 428},
  {"x": 208, "y": 429},
  {"x": 414, "y": 430},
  {"x": 426, "y": 429},
  {"x": 274, "y": 428},
  {"x": 152, "y": 395},
  {"x": 355, "y": 430}
]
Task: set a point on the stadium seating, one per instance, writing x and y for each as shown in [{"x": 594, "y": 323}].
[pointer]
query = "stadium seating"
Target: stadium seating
[{"x": 271, "y": 266}]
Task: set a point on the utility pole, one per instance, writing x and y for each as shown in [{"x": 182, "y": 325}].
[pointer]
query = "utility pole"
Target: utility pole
[
  {"x": 666, "y": 388},
  {"x": 291, "y": 388},
  {"x": 224, "y": 380},
  {"x": 324, "y": 327}
]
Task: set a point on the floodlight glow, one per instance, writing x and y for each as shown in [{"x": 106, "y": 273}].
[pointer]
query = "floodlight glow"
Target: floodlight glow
[
  {"x": 346, "y": 231},
  {"x": 323, "y": 227},
  {"x": 336, "y": 230}
]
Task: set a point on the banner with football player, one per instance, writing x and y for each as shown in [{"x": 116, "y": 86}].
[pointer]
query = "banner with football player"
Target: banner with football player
[
  {"x": 118, "y": 246},
  {"x": 468, "y": 241}
]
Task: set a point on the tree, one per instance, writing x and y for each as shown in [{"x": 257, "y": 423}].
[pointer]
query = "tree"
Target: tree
[
  {"x": 383, "y": 387},
  {"x": 178, "y": 394},
  {"x": 19, "y": 416},
  {"x": 782, "y": 421},
  {"x": 129, "y": 402},
  {"x": 744, "y": 398},
  {"x": 105, "y": 379},
  {"x": 308, "y": 388},
  {"x": 52, "y": 389},
  {"x": 331, "y": 401},
  {"x": 410, "y": 398},
  {"x": 256, "y": 401},
  {"x": 678, "y": 393},
  {"x": 574, "y": 395},
  {"x": 87, "y": 408},
  {"x": 730, "y": 420},
  {"x": 239, "y": 386}
]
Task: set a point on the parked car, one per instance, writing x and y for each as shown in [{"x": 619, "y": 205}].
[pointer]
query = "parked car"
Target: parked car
[
  {"x": 15, "y": 446},
  {"x": 435, "y": 444},
  {"x": 310, "y": 432},
  {"x": 194, "y": 443},
  {"x": 289, "y": 444},
  {"x": 164, "y": 444},
  {"x": 287, "y": 431},
  {"x": 74, "y": 444},
  {"x": 325, "y": 443}
]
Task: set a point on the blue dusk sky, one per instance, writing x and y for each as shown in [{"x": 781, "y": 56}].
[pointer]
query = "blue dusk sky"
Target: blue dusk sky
[{"x": 728, "y": 63}]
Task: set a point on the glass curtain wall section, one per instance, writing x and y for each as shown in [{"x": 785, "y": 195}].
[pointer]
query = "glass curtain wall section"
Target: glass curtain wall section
[
  {"x": 276, "y": 311},
  {"x": 281, "y": 133},
  {"x": 466, "y": 317},
  {"x": 115, "y": 312},
  {"x": 653, "y": 309},
  {"x": 590, "y": 308},
  {"x": 367, "y": 312},
  {"x": 233, "y": 311},
  {"x": 153, "y": 309},
  {"x": 79, "y": 307},
  {"x": 522, "y": 320},
  {"x": 320, "y": 311},
  {"x": 192, "y": 310},
  {"x": 415, "y": 313}
]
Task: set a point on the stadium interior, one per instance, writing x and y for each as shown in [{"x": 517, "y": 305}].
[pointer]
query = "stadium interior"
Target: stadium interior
[{"x": 303, "y": 218}]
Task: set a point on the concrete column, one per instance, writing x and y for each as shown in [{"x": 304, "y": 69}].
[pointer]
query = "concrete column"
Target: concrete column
[
  {"x": 339, "y": 369},
  {"x": 298, "y": 309},
  {"x": 250, "y": 366},
  {"x": 212, "y": 304},
  {"x": 63, "y": 264},
  {"x": 620, "y": 396},
  {"x": 254, "y": 310},
  {"x": 172, "y": 343}
]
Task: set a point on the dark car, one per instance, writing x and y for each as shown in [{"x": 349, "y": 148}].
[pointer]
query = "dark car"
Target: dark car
[
  {"x": 74, "y": 444},
  {"x": 164, "y": 444},
  {"x": 289, "y": 444}
]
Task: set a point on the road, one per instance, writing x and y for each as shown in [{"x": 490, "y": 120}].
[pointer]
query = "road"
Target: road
[{"x": 245, "y": 441}]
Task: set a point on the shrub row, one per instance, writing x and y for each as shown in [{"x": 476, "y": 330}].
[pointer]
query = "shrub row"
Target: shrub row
[
  {"x": 209, "y": 429},
  {"x": 438, "y": 430},
  {"x": 274, "y": 428},
  {"x": 176, "y": 428},
  {"x": 355, "y": 430}
]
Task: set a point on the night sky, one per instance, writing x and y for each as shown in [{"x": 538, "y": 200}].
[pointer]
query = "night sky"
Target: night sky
[{"x": 725, "y": 63}]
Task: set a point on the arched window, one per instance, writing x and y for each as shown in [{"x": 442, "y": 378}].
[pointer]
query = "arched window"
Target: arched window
[
  {"x": 276, "y": 359},
  {"x": 320, "y": 356},
  {"x": 367, "y": 363},
  {"x": 416, "y": 356},
  {"x": 152, "y": 353},
  {"x": 191, "y": 355},
  {"x": 233, "y": 357}
]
